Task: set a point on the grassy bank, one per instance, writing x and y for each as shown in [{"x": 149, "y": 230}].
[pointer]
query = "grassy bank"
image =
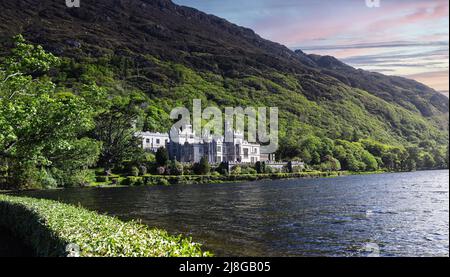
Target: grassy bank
[{"x": 49, "y": 226}]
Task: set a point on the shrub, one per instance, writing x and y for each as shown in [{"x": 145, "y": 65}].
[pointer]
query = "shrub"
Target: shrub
[
  {"x": 162, "y": 156},
  {"x": 80, "y": 178},
  {"x": 297, "y": 169},
  {"x": 133, "y": 181},
  {"x": 163, "y": 182},
  {"x": 203, "y": 167},
  {"x": 48, "y": 227},
  {"x": 236, "y": 170},
  {"x": 222, "y": 168},
  {"x": 188, "y": 169},
  {"x": 134, "y": 171},
  {"x": 115, "y": 180},
  {"x": 271, "y": 170},
  {"x": 175, "y": 168},
  {"x": 330, "y": 164},
  {"x": 215, "y": 174},
  {"x": 101, "y": 179},
  {"x": 248, "y": 170},
  {"x": 260, "y": 167},
  {"x": 143, "y": 170},
  {"x": 46, "y": 180}
]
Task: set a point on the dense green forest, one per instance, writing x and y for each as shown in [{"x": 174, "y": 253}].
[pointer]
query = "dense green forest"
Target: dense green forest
[{"x": 61, "y": 117}]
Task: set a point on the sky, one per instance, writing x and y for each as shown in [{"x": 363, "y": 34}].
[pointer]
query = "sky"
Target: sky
[{"x": 407, "y": 38}]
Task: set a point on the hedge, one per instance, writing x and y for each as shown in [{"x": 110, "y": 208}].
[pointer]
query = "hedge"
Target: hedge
[
  {"x": 49, "y": 226},
  {"x": 151, "y": 180}
]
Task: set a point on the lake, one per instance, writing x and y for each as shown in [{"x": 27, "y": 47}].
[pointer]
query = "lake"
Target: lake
[{"x": 399, "y": 214}]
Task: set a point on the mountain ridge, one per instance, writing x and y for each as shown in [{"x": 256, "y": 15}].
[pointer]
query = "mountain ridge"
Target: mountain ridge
[{"x": 179, "y": 48}]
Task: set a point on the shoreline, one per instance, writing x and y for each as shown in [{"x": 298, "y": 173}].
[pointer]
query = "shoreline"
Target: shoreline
[{"x": 169, "y": 180}]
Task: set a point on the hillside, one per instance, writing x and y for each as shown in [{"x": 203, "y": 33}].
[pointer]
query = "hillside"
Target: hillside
[{"x": 172, "y": 54}]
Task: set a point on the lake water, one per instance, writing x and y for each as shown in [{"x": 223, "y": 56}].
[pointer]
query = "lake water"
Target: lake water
[{"x": 403, "y": 214}]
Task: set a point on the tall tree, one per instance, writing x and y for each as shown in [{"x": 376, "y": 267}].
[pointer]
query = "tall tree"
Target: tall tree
[
  {"x": 116, "y": 128},
  {"x": 40, "y": 126}
]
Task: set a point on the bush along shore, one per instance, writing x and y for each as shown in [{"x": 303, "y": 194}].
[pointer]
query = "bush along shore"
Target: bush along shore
[
  {"x": 166, "y": 180},
  {"x": 49, "y": 227}
]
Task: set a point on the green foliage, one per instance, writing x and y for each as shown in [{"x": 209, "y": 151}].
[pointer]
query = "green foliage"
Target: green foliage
[
  {"x": 115, "y": 127},
  {"x": 133, "y": 181},
  {"x": 354, "y": 157},
  {"x": 101, "y": 179},
  {"x": 203, "y": 167},
  {"x": 222, "y": 168},
  {"x": 176, "y": 168},
  {"x": 134, "y": 171},
  {"x": 260, "y": 167},
  {"x": 28, "y": 59},
  {"x": 45, "y": 179},
  {"x": 330, "y": 164},
  {"x": 48, "y": 227},
  {"x": 162, "y": 156},
  {"x": 248, "y": 170},
  {"x": 42, "y": 128},
  {"x": 428, "y": 161},
  {"x": 142, "y": 170},
  {"x": 236, "y": 170},
  {"x": 163, "y": 182},
  {"x": 78, "y": 178},
  {"x": 59, "y": 117}
]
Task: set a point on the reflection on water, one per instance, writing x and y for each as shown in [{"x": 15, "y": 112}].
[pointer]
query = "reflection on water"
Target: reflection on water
[{"x": 404, "y": 214}]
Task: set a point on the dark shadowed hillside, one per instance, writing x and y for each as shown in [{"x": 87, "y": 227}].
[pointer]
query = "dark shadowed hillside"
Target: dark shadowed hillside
[{"x": 173, "y": 54}]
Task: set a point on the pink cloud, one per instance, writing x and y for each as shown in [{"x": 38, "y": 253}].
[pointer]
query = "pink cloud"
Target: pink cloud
[
  {"x": 421, "y": 14},
  {"x": 296, "y": 29},
  {"x": 438, "y": 80}
]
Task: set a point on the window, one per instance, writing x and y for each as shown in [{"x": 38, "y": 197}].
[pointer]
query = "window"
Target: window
[
  {"x": 246, "y": 153},
  {"x": 147, "y": 140},
  {"x": 158, "y": 141},
  {"x": 219, "y": 149}
]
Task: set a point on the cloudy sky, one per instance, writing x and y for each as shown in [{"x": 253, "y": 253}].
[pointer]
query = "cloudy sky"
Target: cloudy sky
[{"x": 401, "y": 37}]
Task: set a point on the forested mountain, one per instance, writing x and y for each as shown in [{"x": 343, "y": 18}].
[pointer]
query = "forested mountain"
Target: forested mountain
[{"x": 169, "y": 55}]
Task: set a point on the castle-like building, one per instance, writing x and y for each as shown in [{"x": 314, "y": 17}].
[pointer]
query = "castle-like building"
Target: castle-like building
[{"x": 190, "y": 148}]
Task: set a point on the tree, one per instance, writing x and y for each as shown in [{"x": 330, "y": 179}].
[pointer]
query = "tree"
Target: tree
[
  {"x": 428, "y": 161},
  {"x": 389, "y": 160},
  {"x": 42, "y": 129},
  {"x": 354, "y": 157},
  {"x": 175, "y": 168},
  {"x": 447, "y": 157},
  {"x": 306, "y": 156},
  {"x": 260, "y": 167},
  {"x": 29, "y": 60},
  {"x": 330, "y": 164},
  {"x": 162, "y": 156},
  {"x": 288, "y": 148},
  {"x": 369, "y": 160},
  {"x": 203, "y": 167},
  {"x": 115, "y": 128},
  {"x": 313, "y": 146},
  {"x": 223, "y": 168},
  {"x": 413, "y": 158}
]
